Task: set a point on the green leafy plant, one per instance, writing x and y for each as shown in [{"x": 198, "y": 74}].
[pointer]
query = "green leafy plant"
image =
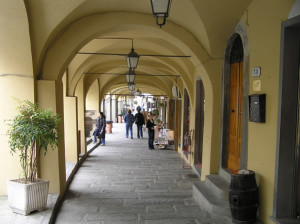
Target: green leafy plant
[
  {"x": 160, "y": 104},
  {"x": 31, "y": 131},
  {"x": 155, "y": 112}
]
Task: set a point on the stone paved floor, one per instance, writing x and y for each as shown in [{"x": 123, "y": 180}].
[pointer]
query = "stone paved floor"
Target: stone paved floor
[{"x": 124, "y": 182}]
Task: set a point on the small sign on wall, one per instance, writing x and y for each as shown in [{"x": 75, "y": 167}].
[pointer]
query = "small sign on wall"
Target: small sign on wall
[
  {"x": 256, "y": 85},
  {"x": 256, "y": 72}
]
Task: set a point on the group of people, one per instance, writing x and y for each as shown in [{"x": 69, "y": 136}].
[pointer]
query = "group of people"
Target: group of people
[
  {"x": 139, "y": 120},
  {"x": 129, "y": 119}
]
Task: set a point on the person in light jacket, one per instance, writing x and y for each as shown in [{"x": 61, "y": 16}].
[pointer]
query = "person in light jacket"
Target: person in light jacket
[{"x": 129, "y": 120}]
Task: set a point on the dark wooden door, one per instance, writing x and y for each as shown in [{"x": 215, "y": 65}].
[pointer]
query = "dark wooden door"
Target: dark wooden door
[
  {"x": 297, "y": 159},
  {"x": 235, "y": 116},
  {"x": 199, "y": 124}
]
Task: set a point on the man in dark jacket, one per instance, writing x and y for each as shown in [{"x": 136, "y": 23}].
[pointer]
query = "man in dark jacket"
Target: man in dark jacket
[
  {"x": 129, "y": 120},
  {"x": 139, "y": 120},
  {"x": 102, "y": 128},
  {"x": 96, "y": 131}
]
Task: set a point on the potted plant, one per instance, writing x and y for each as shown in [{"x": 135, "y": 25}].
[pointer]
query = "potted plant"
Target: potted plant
[
  {"x": 155, "y": 112},
  {"x": 31, "y": 131}
]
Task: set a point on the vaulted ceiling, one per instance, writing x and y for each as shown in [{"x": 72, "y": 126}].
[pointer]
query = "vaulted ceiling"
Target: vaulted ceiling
[{"x": 61, "y": 29}]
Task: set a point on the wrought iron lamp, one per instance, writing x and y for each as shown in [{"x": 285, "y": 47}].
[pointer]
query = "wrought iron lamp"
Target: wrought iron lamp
[
  {"x": 138, "y": 93},
  {"x": 130, "y": 76},
  {"x": 132, "y": 59},
  {"x": 160, "y": 10},
  {"x": 131, "y": 87}
]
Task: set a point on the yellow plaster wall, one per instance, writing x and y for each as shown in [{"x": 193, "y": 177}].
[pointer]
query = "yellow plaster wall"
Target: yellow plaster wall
[
  {"x": 46, "y": 21},
  {"x": 52, "y": 166},
  {"x": 15, "y": 48},
  {"x": 92, "y": 98},
  {"x": 23, "y": 90},
  {"x": 16, "y": 78},
  {"x": 79, "y": 93},
  {"x": 263, "y": 22}
]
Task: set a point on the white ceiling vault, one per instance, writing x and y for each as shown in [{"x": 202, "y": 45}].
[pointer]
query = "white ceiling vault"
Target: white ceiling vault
[{"x": 61, "y": 29}]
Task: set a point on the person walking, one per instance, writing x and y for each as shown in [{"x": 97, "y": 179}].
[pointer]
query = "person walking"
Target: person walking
[
  {"x": 150, "y": 125},
  {"x": 129, "y": 120},
  {"x": 96, "y": 131},
  {"x": 102, "y": 128},
  {"x": 139, "y": 120}
]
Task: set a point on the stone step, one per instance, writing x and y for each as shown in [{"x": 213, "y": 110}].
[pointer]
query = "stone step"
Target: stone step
[
  {"x": 209, "y": 201},
  {"x": 218, "y": 185}
]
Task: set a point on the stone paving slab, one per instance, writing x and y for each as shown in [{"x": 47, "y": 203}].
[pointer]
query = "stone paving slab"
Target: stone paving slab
[{"x": 124, "y": 182}]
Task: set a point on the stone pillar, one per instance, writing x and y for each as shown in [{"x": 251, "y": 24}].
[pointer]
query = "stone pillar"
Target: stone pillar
[
  {"x": 71, "y": 129},
  {"x": 108, "y": 109},
  {"x": 79, "y": 93},
  {"x": 114, "y": 110},
  {"x": 52, "y": 166},
  {"x": 103, "y": 107}
]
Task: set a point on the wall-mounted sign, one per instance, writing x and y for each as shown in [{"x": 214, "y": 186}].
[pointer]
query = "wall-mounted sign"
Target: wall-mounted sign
[
  {"x": 256, "y": 72},
  {"x": 257, "y": 85}
]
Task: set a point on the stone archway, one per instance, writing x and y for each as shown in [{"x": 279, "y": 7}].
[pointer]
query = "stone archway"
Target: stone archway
[{"x": 240, "y": 32}]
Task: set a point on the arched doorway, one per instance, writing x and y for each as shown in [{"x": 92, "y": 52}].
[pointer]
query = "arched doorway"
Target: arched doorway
[
  {"x": 235, "y": 105},
  {"x": 186, "y": 120},
  {"x": 235, "y": 113}
]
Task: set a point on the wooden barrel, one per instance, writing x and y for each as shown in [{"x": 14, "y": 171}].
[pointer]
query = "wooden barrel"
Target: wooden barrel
[{"x": 243, "y": 197}]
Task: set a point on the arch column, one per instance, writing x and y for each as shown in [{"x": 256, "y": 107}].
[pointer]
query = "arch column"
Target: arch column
[
  {"x": 52, "y": 166},
  {"x": 114, "y": 110},
  {"x": 80, "y": 94}
]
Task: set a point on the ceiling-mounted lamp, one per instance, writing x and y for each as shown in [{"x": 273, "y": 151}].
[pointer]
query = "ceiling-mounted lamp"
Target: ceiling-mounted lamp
[
  {"x": 160, "y": 10},
  {"x": 131, "y": 87},
  {"x": 138, "y": 93},
  {"x": 132, "y": 59},
  {"x": 130, "y": 76}
]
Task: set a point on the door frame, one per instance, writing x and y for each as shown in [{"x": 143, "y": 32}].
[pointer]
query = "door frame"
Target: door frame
[
  {"x": 199, "y": 116},
  {"x": 284, "y": 180},
  {"x": 240, "y": 31},
  {"x": 186, "y": 116}
]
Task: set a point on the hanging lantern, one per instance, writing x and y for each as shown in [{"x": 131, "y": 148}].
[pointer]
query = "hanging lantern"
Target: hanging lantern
[
  {"x": 130, "y": 76},
  {"x": 160, "y": 10},
  {"x": 138, "y": 92},
  {"x": 131, "y": 87},
  {"x": 132, "y": 59}
]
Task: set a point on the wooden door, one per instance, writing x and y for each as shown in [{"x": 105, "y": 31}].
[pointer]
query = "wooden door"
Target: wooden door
[
  {"x": 235, "y": 116},
  {"x": 297, "y": 186},
  {"x": 297, "y": 159},
  {"x": 199, "y": 123}
]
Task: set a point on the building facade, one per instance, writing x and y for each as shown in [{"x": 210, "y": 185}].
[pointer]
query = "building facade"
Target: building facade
[{"x": 239, "y": 51}]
